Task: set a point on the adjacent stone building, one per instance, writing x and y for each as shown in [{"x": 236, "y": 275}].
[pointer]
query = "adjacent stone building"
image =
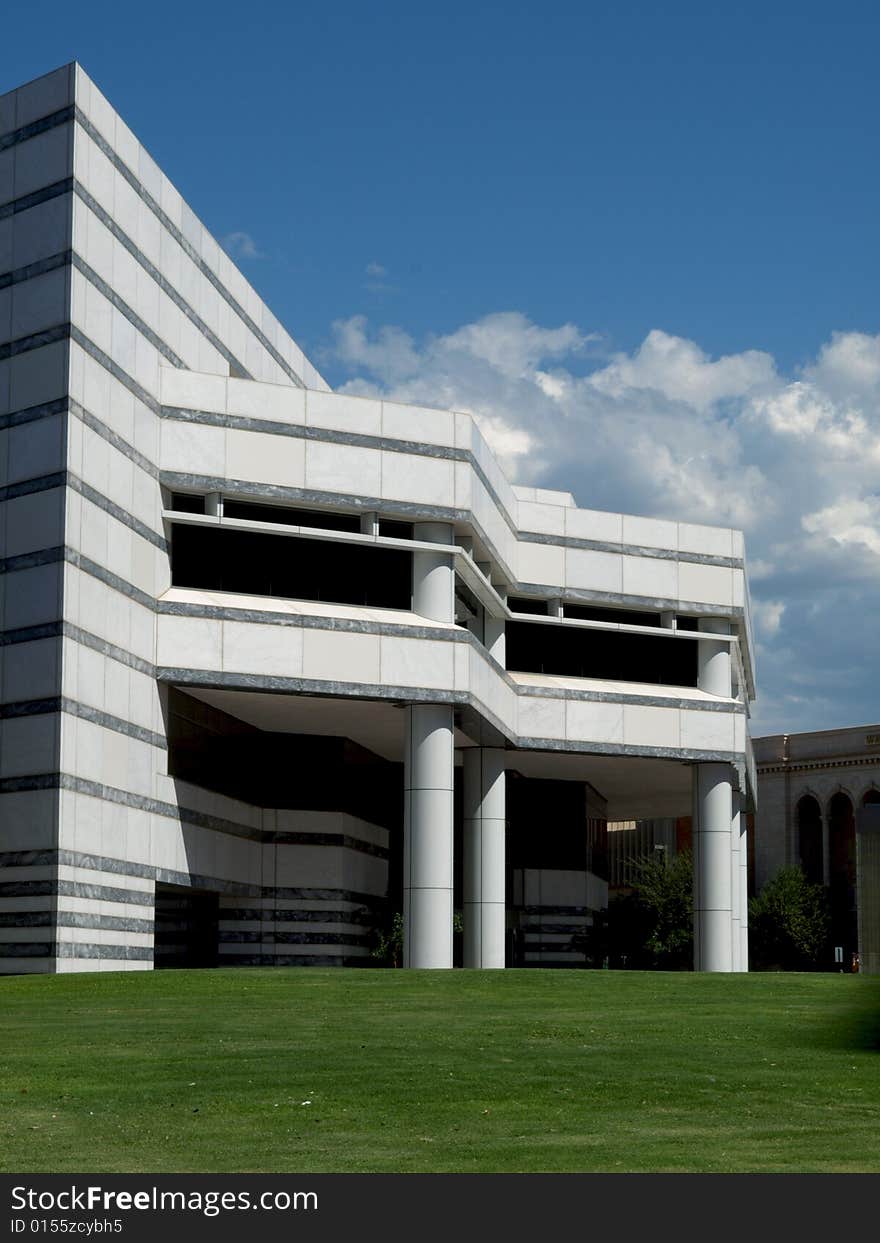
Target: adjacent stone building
[{"x": 813, "y": 789}]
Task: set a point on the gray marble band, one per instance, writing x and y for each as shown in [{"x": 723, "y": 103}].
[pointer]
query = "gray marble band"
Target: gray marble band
[
  {"x": 66, "y": 630},
  {"x": 84, "y": 712},
  {"x": 122, "y": 867},
  {"x": 278, "y": 915},
  {"x": 14, "y": 136},
  {"x": 62, "y": 479},
  {"x": 36, "y": 197},
  {"x": 74, "y": 919},
  {"x": 235, "y": 937},
  {"x": 34, "y": 341},
  {"x": 190, "y": 251},
  {"x": 66, "y": 115},
  {"x": 170, "y": 811},
  {"x": 362, "y": 440},
  {"x": 40, "y": 267},
  {"x": 236, "y": 366}
]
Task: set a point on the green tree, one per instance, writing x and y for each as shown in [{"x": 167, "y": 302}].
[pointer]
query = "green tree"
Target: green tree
[
  {"x": 790, "y": 924},
  {"x": 653, "y": 925}
]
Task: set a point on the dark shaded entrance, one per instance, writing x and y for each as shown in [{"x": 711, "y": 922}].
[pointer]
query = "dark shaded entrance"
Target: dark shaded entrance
[
  {"x": 809, "y": 818},
  {"x": 186, "y": 927}
]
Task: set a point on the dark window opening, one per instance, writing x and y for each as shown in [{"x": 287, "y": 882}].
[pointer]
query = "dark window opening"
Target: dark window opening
[
  {"x": 253, "y": 511},
  {"x": 622, "y": 617},
  {"x": 687, "y": 623},
  {"x": 186, "y": 503},
  {"x": 260, "y": 564},
  {"x": 525, "y": 604},
  {"x": 562, "y": 651},
  {"x": 215, "y": 750},
  {"x": 186, "y": 933},
  {"x": 393, "y": 529}
]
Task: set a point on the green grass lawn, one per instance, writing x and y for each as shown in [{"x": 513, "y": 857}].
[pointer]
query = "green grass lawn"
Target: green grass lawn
[{"x": 312, "y": 1070}]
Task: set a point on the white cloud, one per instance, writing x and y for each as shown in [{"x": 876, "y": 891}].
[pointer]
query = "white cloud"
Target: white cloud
[
  {"x": 668, "y": 430},
  {"x": 848, "y": 523},
  {"x": 241, "y": 246},
  {"x": 375, "y": 269}
]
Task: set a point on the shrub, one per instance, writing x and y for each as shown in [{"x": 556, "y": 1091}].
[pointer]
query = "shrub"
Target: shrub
[{"x": 790, "y": 924}]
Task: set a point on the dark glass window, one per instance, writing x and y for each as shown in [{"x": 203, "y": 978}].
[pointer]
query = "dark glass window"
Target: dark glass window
[
  {"x": 623, "y": 617},
  {"x": 569, "y": 652},
  {"x": 187, "y": 503},
  {"x": 260, "y": 564},
  {"x": 525, "y": 604},
  {"x": 253, "y": 511},
  {"x": 394, "y": 529}
]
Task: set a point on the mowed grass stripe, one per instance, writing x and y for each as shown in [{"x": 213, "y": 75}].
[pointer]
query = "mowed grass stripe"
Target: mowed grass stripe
[{"x": 447, "y": 1071}]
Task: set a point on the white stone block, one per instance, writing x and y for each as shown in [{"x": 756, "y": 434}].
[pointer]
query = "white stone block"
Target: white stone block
[
  {"x": 338, "y": 656},
  {"x": 262, "y": 458},
  {"x": 589, "y": 721},
  {"x": 593, "y": 571},
  {"x": 342, "y": 468},
  {"x": 650, "y": 576},
  {"x": 650, "y": 727},
  {"x": 650, "y": 532},
  {"x": 705, "y": 584},
  {"x": 343, "y": 412},
  {"x": 428, "y": 481},
  {"x": 542, "y": 564}
]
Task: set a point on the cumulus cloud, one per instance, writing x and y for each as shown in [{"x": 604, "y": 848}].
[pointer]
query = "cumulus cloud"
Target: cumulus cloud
[
  {"x": 241, "y": 246},
  {"x": 670, "y": 431}
]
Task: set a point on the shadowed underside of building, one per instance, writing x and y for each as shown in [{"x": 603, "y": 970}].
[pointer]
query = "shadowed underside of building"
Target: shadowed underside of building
[{"x": 278, "y": 662}]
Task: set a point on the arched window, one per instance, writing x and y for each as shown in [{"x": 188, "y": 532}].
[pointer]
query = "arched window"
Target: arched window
[
  {"x": 872, "y": 796},
  {"x": 809, "y": 822}
]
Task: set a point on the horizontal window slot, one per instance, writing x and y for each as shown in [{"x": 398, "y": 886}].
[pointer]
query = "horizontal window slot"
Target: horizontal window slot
[
  {"x": 258, "y": 564},
  {"x": 252, "y": 511},
  {"x": 571, "y": 652}
]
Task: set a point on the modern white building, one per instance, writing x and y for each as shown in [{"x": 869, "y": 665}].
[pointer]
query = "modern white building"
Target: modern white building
[{"x": 277, "y": 661}]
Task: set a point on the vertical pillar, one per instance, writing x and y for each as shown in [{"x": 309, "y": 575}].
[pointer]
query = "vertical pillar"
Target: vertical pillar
[
  {"x": 713, "y": 672},
  {"x": 494, "y": 639},
  {"x": 712, "y": 865},
  {"x": 484, "y": 871},
  {"x": 743, "y": 891},
  {"x": 428, "y": 836},
  {"x": 735, "y": 882},
  {"x": 434, "y": 573}
]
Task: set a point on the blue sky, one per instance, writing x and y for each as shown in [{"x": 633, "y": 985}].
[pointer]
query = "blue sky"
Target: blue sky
[{"x": 637, "y": 240}]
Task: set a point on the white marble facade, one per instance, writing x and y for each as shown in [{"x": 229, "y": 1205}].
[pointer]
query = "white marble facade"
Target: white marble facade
[{"x": 136, "y": 362}]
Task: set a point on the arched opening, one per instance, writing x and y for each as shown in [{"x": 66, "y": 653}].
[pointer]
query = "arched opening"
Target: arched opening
[
  {"x": 872, "y": 796},
  {"x": 809, "y": 823},
  {"x": 842, "y": 829}
]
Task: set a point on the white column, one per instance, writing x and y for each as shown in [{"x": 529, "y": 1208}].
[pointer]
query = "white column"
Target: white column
[
  {"x": 713, "y": 671},
  {"x": 434, "y": 573},
  {"x": 494, "y": 638},
  {"x": 735, "y": 882},
  {"x": 428, "y": 836},
  {"x": 712, "y": 823},
  {"x": 743, "y": 892},
  {"x": 484, "y": 872}
]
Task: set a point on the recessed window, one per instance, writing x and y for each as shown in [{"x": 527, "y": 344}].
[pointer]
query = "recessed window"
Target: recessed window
[
  {"x": 622, "y": 617},
  {"x": 262, "y": 564},
  {"x": 254, "y": 511},
  {"x": 525, "y": 604},
  {"x": 562, "y": 651},
  {"x": 187, "y": 503}
]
